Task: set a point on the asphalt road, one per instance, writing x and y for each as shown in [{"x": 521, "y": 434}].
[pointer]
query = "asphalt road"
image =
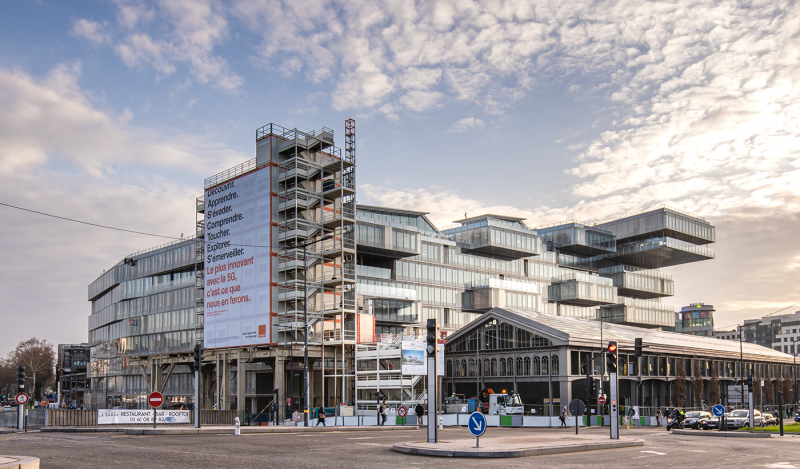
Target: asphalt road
[{"x": 373, "y": 449}]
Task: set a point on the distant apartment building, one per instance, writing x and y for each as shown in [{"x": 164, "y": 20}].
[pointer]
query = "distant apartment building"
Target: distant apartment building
[
  {"x": 695, "y": 319},
  {"x": 71, "y": 365},
  {"x": 778, "y": 332}
]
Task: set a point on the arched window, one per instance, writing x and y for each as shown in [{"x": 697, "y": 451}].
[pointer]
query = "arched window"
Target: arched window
[
  {"x": 494, "y": 368},
  {"x": 537, "y": 366},
  {"x": 527, "y": 370},
  {"x": 472, "y": 371},
  {"x": 554, "y": 364},
  {"x": 545, "y": 368},
  {"x": 486, "y": 370},
  {"x": 449, "y": 371},
  {"x": 502, "y": 367},
  {"x": 464, "y": 368},
  {"x": 519, "y": 367},
  {"x": 510, "y": 366}
]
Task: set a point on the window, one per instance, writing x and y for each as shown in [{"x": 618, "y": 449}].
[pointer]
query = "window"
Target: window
[
  {"x": 449, "y": 371},
  {"x": 527, "y": 367},
  {"x": 494, "y": 367},
  {"x": 520, "y": 371},
  {"x": 510, "y": 366},
  {"x": 545, "y": 368},
  {"x": 554, "y": 363},
  {"x": 537, "y": 366},
  {"x": 486, "y": 369},
  {"x": 502, "y": 367}
]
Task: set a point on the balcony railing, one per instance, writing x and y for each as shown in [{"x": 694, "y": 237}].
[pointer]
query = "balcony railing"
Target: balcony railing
[{"x": 230, "y": 173}]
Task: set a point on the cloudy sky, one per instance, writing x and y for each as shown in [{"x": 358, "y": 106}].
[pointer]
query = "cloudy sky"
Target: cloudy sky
[{"x": 113, "y": 112}]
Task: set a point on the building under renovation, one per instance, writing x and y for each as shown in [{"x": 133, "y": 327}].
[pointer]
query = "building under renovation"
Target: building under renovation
[{"x": 283, "y": 256}]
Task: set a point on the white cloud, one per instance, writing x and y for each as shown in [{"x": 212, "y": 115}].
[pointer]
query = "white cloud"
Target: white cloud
[
  {"x": 188, "y": 33},
  {"x": 61, "y": 154},
  {"x": 465, "y": 124},
  {"x": 92, "y": 31}
]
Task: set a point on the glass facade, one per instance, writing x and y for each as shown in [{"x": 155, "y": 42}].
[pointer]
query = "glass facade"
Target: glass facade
[{"x": 139, "y": 310}]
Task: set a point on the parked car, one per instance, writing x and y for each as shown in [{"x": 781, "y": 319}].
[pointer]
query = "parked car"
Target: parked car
[
  {"x": 7, "y": 408},
  {"x": 741, "y": 419},
  {"x": 695, "y": 419},
  {"x": 770, "y": 419},
  {"x": 713, "y": 422}
]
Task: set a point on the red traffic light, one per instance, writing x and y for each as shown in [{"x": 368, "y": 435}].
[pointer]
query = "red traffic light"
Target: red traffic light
[{"x": 612, "y": 347}]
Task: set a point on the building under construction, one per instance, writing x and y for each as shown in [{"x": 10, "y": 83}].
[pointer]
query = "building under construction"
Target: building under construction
[{"x": 283, "y": 256}]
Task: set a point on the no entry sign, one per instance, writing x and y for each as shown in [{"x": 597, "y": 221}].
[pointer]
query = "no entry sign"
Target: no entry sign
[
  {"x": 601, "y": 400},
  {"x": 155, "y": 399}
]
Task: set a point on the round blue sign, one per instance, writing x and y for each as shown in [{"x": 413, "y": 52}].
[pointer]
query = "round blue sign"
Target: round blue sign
[
  {"x": 477, "y": 424},
  {"x": 718, "y": 410}
]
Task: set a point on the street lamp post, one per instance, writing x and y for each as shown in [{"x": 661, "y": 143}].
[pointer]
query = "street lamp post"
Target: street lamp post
[{"x": 305, "y": 322}]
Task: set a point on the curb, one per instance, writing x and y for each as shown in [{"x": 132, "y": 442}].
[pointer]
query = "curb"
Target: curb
[
  {"x": 256, "y": 430},
  {"x": 723, "y": 434},
  {"x": 20, "y": 462},
  {"x": 518, "y": 453}
]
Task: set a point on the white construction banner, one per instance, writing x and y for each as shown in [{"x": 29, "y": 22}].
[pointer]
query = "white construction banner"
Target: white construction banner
[
  {"x": 413, "y": 358},
  {"x": 238, "y": 265},
  {"x": 143, "y": 416}
]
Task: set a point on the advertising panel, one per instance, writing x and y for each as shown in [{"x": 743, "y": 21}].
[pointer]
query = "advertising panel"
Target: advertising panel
[
  {"x": 238, "y": 262},
  {"x": 143, "y": 416},
  {"x": 413, "y": 358}
]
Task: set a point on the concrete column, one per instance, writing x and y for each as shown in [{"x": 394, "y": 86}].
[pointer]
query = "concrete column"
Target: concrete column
[
  {"x": 278, "y": 381},
  {"x": 241, "y": 384},
  {"x": 223, "y": 384}
]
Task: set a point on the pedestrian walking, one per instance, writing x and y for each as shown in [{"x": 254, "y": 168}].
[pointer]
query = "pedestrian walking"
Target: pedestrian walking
[
  {"x": 563, "y": 417},
  {"x": 658, "y": 417},
  {"x": 321, "y": 417},
  {"x": 384, "y": 413},
  {"x": 631, "y": 415}
]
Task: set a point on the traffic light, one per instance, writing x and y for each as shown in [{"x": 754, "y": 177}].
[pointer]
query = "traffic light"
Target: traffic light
[
  {"x": 433, "y": 334},
  {"x": 637, "y": 347},
  {"x": 198, "y": 357},
  {"x": 611, "y": 357},
  {"x": 21, "y": 378},
  {"x": 749, "y": 383},
  {"x": 592, "y": 389}
]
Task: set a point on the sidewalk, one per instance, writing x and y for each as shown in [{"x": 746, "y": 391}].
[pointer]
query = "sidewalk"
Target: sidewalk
[
  {"x": 515, "y": 447},
  {"x": 222, "y": 430}
]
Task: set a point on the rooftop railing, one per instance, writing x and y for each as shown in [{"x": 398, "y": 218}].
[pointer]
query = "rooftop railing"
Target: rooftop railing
[
  {"x": 230, "y": 173},
  {"x": 651, "y": 209}
]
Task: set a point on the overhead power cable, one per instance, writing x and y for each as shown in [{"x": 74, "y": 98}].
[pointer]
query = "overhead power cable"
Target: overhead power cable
[{"x": 107, "y": 227}]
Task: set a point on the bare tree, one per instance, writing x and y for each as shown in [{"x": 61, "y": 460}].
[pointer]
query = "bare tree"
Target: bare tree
[
  {"x": 713, "y": 385},
  {"x": 769, "y": 391},
  {"x": 788, "y": 388},
  {"x": 697, "y": 385},
  {"x": 756, "y": 388},
  {"x": 39, "y": 360},
  {"x": 680, "y": 385}
]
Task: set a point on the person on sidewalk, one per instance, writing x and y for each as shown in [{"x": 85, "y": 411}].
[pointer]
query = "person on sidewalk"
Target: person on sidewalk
[
  {"x": 420, "y": 411},
  {"x": 321, "y": 417},
  {"x": 658, "y": 417},
  {"x": 382, "y": 414},
  {"x": 563, "y": 417},
  {"x": 631, "y": 415}
]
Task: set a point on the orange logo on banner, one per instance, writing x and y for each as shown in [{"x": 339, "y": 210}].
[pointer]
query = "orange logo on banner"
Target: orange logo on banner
[{"x": 262, "y": 330}]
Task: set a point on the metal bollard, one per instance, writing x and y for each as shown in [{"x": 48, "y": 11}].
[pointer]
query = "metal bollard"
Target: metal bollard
[
  {"x": 441, "y": 423},
  {"x": 26, "y": 422},
  {"x": 236, "y": 423}
]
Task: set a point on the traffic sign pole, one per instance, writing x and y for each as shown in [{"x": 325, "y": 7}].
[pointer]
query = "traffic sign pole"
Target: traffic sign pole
[
  {"x": 155, "y": 399},
  {"x": 477, "y": 426}
]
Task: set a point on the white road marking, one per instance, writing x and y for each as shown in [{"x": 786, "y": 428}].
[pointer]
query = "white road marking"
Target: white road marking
[
  {"x": 654, "y": 452},
  {"x": 780, "y": 464},
  {"x": 370, "y": 438}
]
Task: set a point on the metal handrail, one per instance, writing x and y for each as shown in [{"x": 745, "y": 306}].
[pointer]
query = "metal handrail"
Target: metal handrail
[{"x": 230, "y": 173}]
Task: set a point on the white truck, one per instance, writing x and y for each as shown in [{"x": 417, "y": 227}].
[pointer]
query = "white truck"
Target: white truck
[{"x": 503, "y": 404}]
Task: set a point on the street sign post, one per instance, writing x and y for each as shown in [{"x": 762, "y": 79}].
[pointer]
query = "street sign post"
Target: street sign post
[
  {"x": 477, "y": 426},
  {"x": 718, "y": 411},
  {"x": 576, "y": 408},
  {"x": 601, "y": 400},
  {"x": 155, "y": 399},
  {"x": 401, "y": 412},
  {"x": 21, "y": 400}
]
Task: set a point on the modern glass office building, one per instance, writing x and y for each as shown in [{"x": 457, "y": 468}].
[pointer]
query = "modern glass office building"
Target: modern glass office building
[{"x": 367, "y": 271}]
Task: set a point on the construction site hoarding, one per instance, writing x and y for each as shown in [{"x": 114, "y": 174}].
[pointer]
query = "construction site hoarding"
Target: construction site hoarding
[{"x": 238, "y": 240}]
